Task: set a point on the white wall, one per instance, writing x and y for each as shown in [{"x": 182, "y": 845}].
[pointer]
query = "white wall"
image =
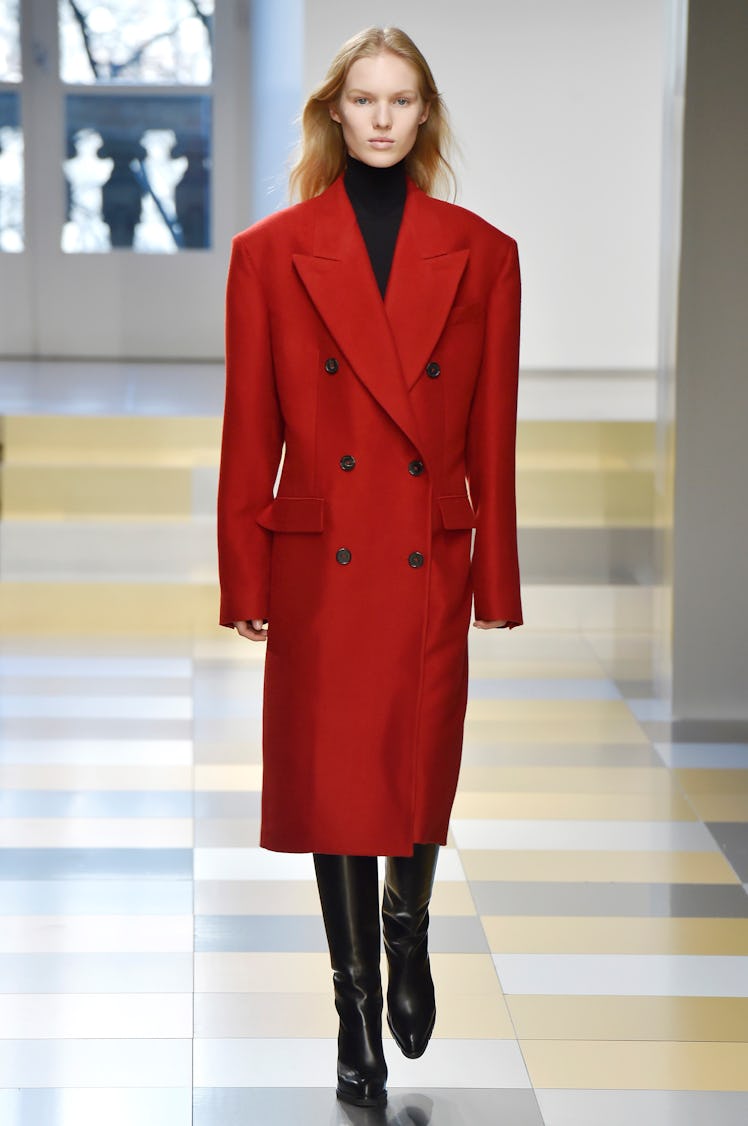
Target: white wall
[{"x": 557, "y": 105}]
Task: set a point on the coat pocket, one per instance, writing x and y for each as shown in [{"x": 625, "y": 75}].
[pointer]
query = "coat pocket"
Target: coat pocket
[
  {"x": 457, "y": 512},
  {"x": 293, "y": 514}
]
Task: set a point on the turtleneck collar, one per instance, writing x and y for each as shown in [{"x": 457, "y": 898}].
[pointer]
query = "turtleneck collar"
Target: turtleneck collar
[{"x": 378, "y": 191}]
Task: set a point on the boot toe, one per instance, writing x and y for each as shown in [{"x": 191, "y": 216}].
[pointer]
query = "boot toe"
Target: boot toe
[{"x": 412, "y": 1037}]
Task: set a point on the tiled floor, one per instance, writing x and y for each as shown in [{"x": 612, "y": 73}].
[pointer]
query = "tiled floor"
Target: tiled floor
[{"x": 590, "y": 920}]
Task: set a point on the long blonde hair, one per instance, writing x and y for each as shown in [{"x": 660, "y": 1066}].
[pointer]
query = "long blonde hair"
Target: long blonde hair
[{"x": 322, "y": 154}]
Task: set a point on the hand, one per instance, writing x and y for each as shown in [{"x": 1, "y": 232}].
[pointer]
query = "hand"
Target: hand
[
  {"x": 253, "y": 630},
  {"x": 489, "y": 625}
]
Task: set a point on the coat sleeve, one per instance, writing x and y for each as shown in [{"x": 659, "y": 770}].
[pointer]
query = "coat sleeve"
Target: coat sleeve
[
  {"x": 490, "y": 454},
  {"x": 251, "y": 446}
]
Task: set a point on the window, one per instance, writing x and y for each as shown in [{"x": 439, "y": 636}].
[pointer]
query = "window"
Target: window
[{"x": 138, "y": 158}]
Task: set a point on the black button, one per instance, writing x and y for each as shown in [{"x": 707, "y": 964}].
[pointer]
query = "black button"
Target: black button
[
  {"x": 343, "y": 555},
  {"x": 433, "y": 371},
  {"x": 415, "y": 468},
  {"x": 331, "y": 365},
  {"x": 415, "y": 559},
  {"x": 347, "y": 462}
]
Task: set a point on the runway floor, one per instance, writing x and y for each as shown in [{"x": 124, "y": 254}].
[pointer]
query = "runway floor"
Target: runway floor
[{"x": 590, "y": 919}]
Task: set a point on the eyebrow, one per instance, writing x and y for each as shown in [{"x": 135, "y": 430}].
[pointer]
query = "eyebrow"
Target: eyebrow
[{"x": 369, "y": 94}]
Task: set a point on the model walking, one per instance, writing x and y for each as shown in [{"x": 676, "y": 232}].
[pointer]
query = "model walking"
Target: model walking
[{"x": 372, "y": 339}]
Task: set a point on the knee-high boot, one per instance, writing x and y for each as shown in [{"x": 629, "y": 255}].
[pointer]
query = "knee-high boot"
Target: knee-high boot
[
  {"x": 411, "y": 1005},
  {"x": 349, "y": 896}
]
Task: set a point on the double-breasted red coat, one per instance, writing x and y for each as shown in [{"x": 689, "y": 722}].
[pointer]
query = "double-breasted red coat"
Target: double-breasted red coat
[{"x": 381, "y": 412}]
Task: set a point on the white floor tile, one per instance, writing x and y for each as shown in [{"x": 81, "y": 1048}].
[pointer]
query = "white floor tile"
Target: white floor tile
[
  {"x": 654, "y": 975},
  {"x": 95, "y": 1063},
  {"x": 97, "y": 752},
  {"x": 83, "y": 1016},
  {"x": 81, "y": 1106},
  {"x": 96, "y": 707},
  {"x": 96, "y": 832},
  {"x": 79, "y": 934},
  {"x": 710, "y": 756}
]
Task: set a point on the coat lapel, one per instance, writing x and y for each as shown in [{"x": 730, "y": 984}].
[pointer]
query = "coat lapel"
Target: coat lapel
[
  {"x": 340, "y": 282},
  {"x": 386, "y": 343},
  {"x": 422, "y": 285}
]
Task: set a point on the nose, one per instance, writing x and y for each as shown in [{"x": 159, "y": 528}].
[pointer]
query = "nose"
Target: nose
[{"x": 382, "y": 115}]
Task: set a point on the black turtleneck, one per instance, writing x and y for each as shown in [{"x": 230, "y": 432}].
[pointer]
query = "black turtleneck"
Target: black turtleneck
[{"x": 378, "y": 199}]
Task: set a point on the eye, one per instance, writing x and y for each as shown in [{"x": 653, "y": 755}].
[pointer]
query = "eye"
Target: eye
[
  {"x": 360, "y": 100},
  {"x": 403, "y": 101}
]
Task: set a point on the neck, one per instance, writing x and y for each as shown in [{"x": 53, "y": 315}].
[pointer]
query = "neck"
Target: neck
[{"x": 378, "y": 190}]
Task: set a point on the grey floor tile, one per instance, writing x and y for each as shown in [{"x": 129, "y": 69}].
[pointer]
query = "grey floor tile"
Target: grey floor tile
[
  {"x": 238, "y": 747},
  {"x": 644, "y": 1108},
  {"x": 96, "y": 897},
  {"x": 317, "y": 1106},
  {"x": 732, "y": 838},
  {"x": 227, "y": 832},
  {"x": 93, "y": 727},
  {"x": 217, "y": 803},
  {"x": 588, "y": 555},
  {"x": 96, "y": 973},
  {"x": 660, "y": 900},
  {"x": 77, "y": 863},
  {"x": 96, "y": 803},
  {"x": 637, "y": 689},
  {"x": 231, "y": 933},
  {"x": 561, "y": 755},
  {"x": 537, "y": 688},
  {"x": 698, "y": 731}
]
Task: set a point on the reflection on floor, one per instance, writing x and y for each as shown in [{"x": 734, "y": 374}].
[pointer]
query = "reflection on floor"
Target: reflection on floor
[{"x": 590, "y": 921}]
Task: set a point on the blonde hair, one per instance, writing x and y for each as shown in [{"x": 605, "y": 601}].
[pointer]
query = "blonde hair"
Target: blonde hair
[{"x": 322, "y": 155}]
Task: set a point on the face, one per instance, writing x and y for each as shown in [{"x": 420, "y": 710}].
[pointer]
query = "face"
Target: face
[{"x": 380, "y": 109}]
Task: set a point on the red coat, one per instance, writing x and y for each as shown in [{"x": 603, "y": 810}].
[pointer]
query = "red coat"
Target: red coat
[{"x": 362, "y": 562}]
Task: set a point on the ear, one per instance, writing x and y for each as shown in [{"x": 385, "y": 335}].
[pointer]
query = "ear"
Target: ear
[
  {"x": 334, "y": 113},
  {"x": 425, "y": 113}
]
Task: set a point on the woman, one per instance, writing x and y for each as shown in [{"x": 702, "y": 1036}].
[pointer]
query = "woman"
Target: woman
[{"x": 372, "y": 336}]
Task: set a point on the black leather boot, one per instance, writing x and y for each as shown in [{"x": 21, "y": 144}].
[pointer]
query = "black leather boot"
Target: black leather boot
[
  {"x": 411, "y": 1005},
  {"x": 349, "y": 895}
]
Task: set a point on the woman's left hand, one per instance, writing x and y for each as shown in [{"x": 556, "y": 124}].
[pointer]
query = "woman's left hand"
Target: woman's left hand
[{"x": 490, "y": 625}]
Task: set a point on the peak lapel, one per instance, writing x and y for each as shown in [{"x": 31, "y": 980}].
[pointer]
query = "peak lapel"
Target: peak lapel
[
  {"x": 340, "y": 282},
  {"x": 422, "y": 286}
]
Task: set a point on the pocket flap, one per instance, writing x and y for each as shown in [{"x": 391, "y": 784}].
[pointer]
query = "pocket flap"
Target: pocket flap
[
  {"x": 457, "y": 512},
  {"x": 293, "y": 514}
]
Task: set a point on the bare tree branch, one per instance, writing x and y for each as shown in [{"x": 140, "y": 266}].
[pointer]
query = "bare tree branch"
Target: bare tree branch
[
  {"x": 136, "y": 56},
  {"x": 81, "y": 21},
  {"x": 206, "y": 21}
]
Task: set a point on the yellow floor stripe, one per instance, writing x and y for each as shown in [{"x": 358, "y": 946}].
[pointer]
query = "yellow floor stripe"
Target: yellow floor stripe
[
  {"x": 630, "y": 1018},
  {"x": 602, "y": 1065},
  {"x": 606, "y": 867},
  {"x": 595, "y": 935},
  {"x": 574, "y": 807},
  {"x": 569, "y": 780}
]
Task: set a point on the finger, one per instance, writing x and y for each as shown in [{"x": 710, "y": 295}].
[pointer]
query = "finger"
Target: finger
[{"x": 247, "y": 630}]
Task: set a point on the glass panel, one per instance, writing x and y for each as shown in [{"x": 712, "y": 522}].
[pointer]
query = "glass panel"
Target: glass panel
[
  {"x": 10, "y": 42},
  {"x": 137, "y": 172},
  {"x": 146, "y": 41},
  {"x": 11, "y": 173}
]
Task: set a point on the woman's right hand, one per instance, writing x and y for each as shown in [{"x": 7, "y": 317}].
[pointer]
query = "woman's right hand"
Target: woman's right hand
[{"x": 253, "y": 630}]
